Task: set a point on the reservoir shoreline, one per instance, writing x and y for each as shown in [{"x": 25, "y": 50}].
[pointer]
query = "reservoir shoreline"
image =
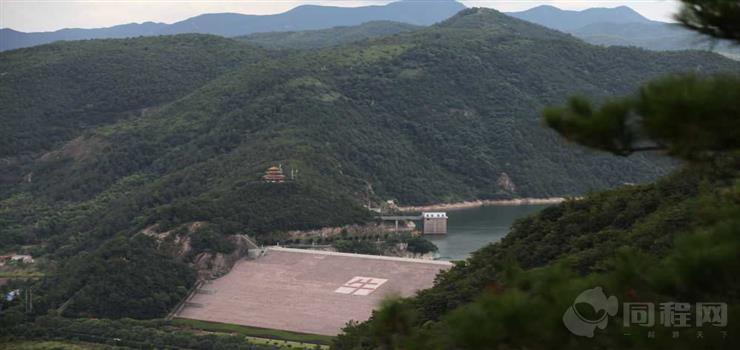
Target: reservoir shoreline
[{"x": 481, "y": 203}]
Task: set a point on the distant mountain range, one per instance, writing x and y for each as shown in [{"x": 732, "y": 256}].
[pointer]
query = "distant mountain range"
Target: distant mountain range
[
  {"x": 307, "y": 17},
  {"x": 570, "y": 21},
  {"x": 620, "y": 26}
]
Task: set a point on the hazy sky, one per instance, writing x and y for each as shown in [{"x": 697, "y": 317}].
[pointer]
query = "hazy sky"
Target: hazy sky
[{"x": 47, "y": 15}]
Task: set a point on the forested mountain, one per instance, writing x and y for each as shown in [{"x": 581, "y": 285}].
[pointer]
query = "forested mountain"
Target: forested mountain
[
  {"x": 443, "y": 113},
  {"x": 439, "y": 114},
  {"x": 622, "y": 26},
  {"x": 54, "y": 93},
  {"x": 306, "y": 17},
  {"x": 309, "y": 39}
]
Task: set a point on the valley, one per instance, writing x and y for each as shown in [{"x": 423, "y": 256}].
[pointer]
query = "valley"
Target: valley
[
  {"x": 409, "y": 175},
  {"x": 355, "y": 124}
]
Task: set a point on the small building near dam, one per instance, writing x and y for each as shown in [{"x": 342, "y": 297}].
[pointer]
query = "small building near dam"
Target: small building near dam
[{"x": 434, "y": 223}]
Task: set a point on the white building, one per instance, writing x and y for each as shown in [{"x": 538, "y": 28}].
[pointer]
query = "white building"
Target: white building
[
  {"x": 435, "y": 223},
  {"x": 26, "y": 259}
]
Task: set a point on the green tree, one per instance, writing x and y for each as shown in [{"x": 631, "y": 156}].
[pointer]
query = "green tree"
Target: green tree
[
  {"x": 420, "y": 245},
  {"x": 688, "y": 116},
  {"x": 716, "y": 18},
  {"x": 357, "y": 247},
  {"x": 207, "y": 238}
]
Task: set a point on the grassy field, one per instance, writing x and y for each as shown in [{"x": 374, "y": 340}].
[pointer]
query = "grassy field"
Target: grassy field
[
  {"x": 49, "y": 345},
  {"x": 287, "y": 344},
  {"x": 259, "y": 335}
]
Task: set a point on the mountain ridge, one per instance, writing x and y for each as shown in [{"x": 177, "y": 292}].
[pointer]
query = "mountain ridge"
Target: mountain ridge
[
  {"x": 304, "y": 17},
  {"x": 567, "y": 20},
  {"x": 620, "y": 26},
  {"x": 320, "y": 38}
]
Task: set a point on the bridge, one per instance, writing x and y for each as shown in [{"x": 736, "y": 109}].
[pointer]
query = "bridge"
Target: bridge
[{"x": 401, "y": 218}]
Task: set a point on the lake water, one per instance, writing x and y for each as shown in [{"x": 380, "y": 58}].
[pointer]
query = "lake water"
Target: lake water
[{"x": 470, "y": 229}]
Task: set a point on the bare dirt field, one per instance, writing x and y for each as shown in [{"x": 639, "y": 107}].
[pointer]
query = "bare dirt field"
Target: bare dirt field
[{"x": 308, "y": 291}]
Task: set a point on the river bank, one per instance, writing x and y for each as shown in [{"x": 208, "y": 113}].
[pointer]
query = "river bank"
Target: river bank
[{"x": 481, "y": 203}]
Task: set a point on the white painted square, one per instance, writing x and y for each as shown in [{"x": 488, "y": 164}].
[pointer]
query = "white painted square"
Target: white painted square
[
  {"x": 345, "y": 290},
  {"x": 361, "y": 286},
  {"x": 363, "y": 292}
]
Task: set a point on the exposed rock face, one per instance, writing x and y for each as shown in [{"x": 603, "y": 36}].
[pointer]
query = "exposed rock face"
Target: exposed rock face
[
  {"x": 322, "y": 232},
  {"x": 505, "y": 184},
  {"x": 209, "y": 265},
  {"x": 79, "y": 149},
  {"x": 335, "y": 231},
  {"x": 213, "y": 265},
  {"x": 175, "y": 243}
]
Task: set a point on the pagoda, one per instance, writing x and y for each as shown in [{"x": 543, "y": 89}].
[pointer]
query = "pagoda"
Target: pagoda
[{"x": 274, "y": 175}]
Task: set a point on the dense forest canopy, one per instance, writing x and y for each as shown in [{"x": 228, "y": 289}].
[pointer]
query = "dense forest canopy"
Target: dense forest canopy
[{"x": 50, "y": 94}]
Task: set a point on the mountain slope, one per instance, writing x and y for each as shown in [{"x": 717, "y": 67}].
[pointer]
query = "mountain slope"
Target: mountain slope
[
  {"x": 310, "y": 39},
  {"x": 306, "y": 17},
  {"x": 52, "y": 94},
  {"x": 439, "y": 114}
]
